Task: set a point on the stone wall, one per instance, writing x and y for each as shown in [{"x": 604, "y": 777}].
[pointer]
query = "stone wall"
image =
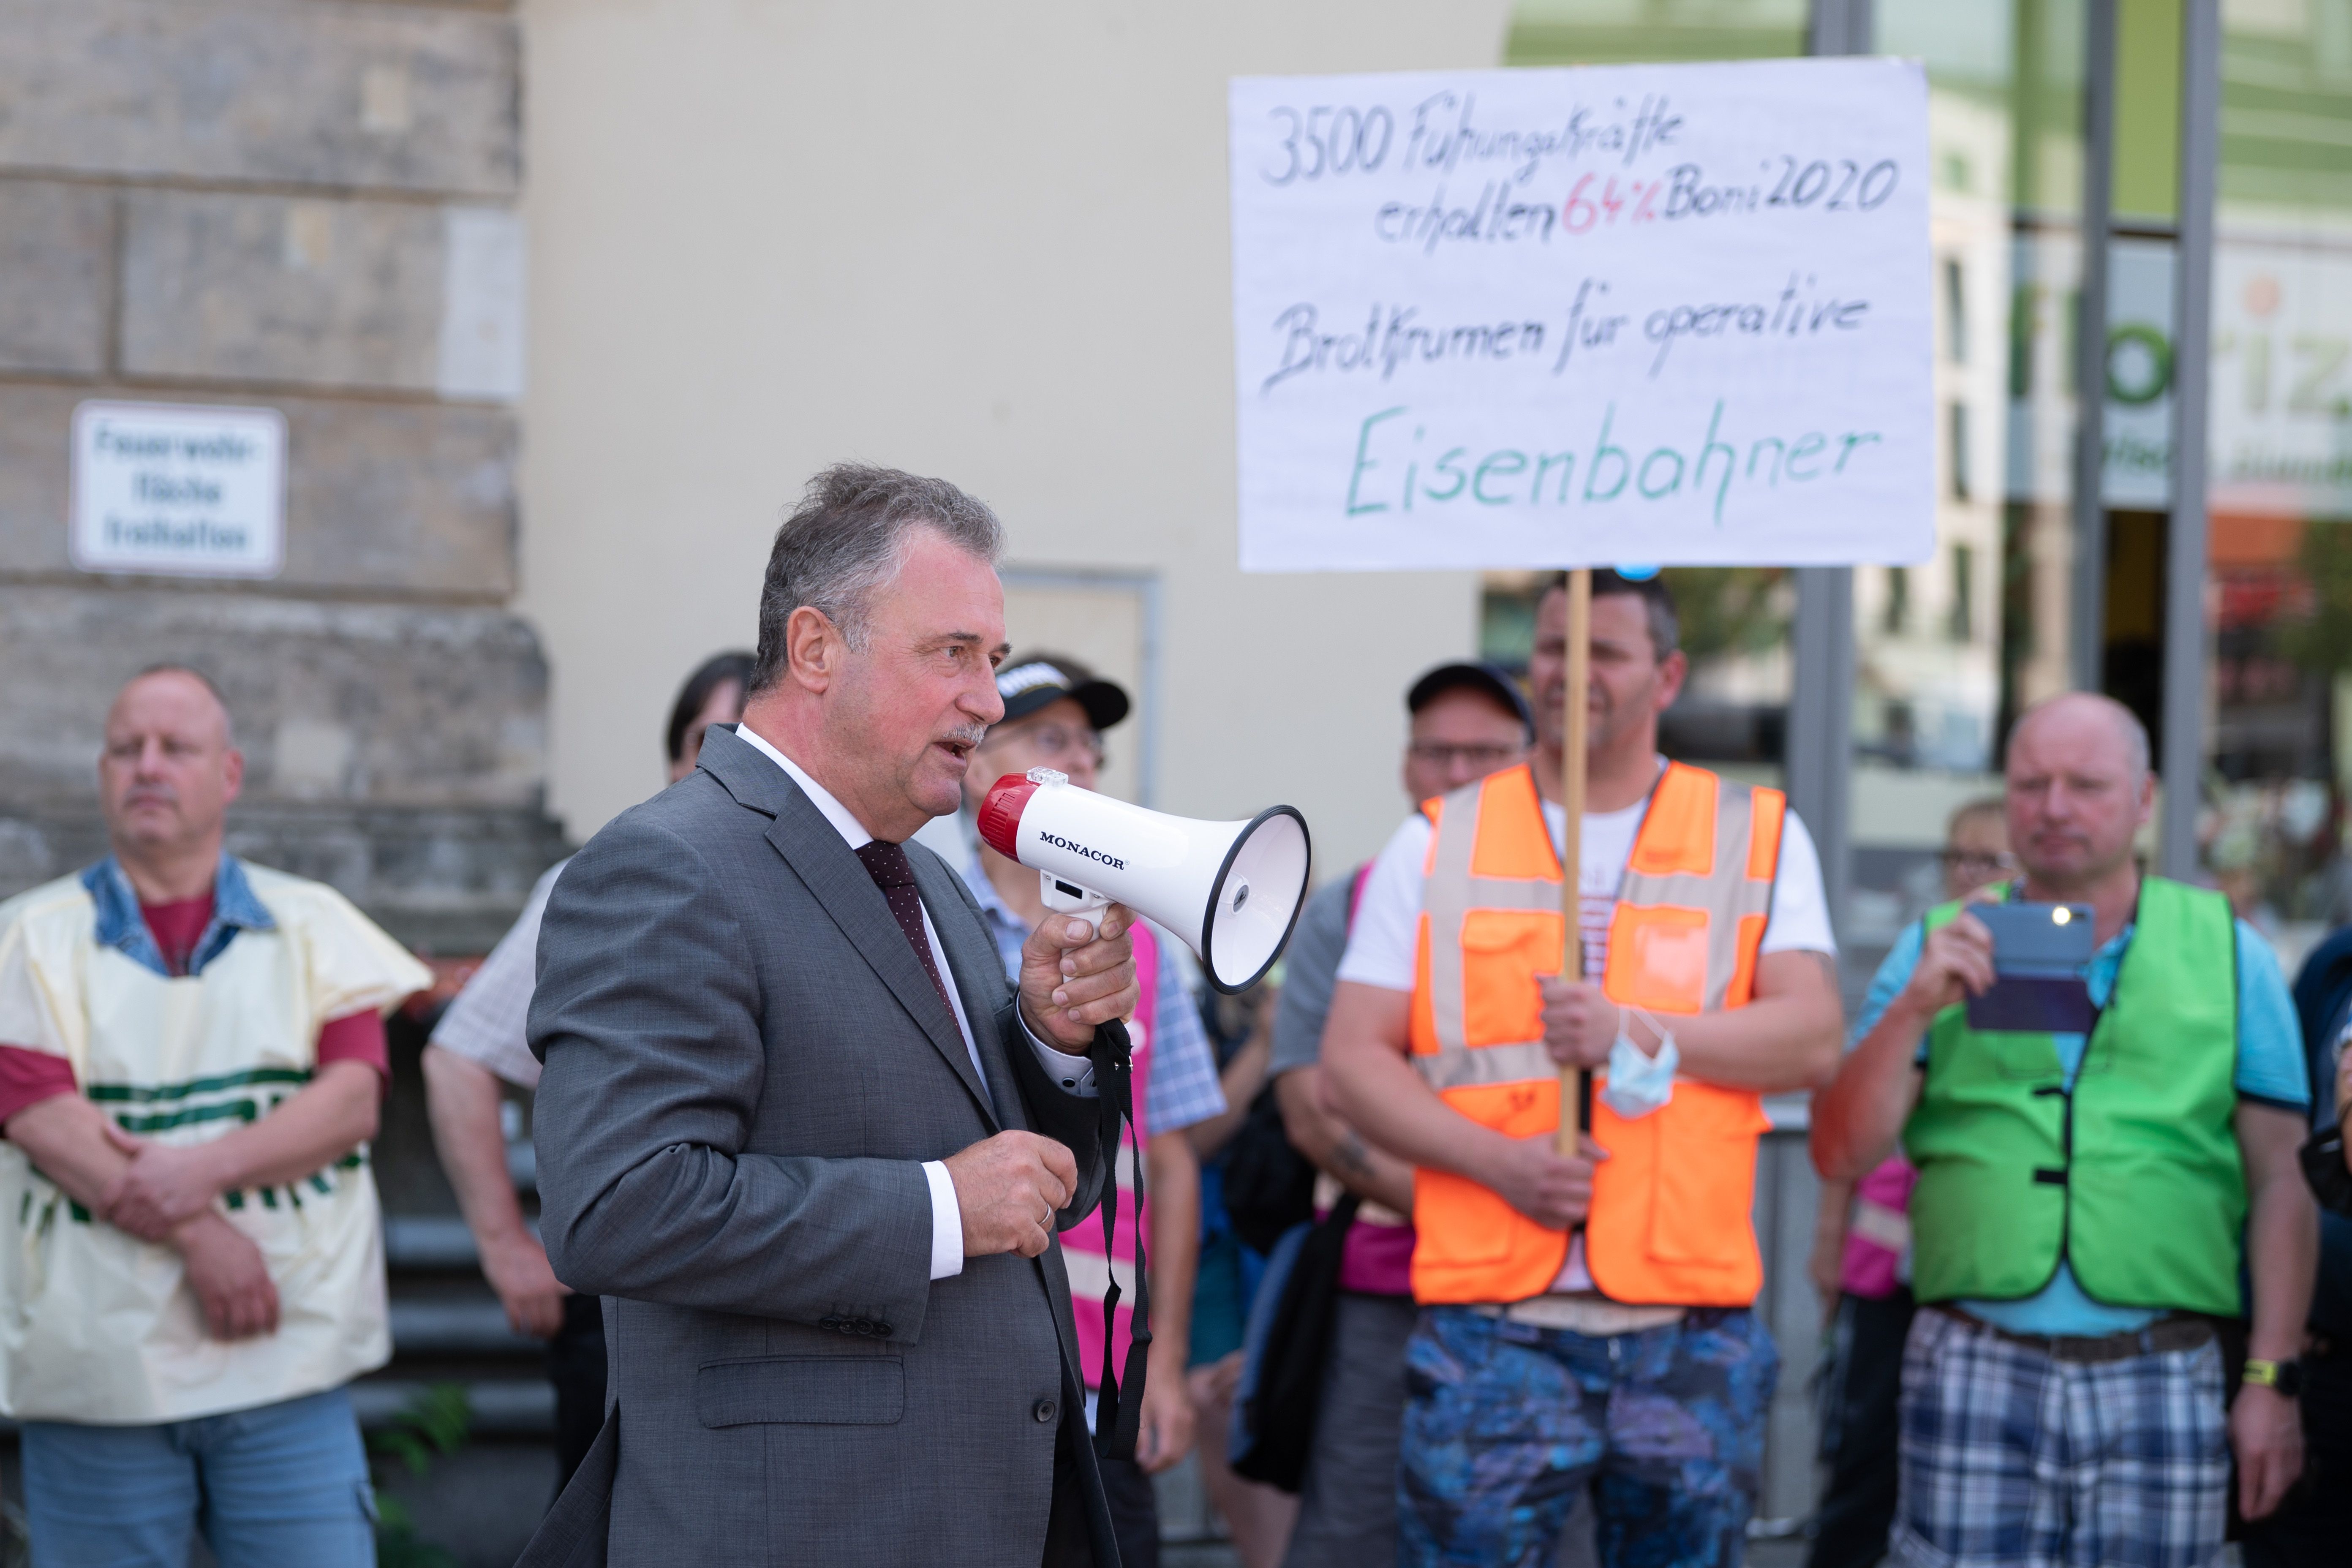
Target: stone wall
[{"x": 307, "y": 205}]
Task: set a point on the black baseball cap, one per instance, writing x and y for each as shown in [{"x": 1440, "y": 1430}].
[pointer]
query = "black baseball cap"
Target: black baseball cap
[
  {"x": 1491, "y": 681},
  {"x": 1039, "y": 680}
]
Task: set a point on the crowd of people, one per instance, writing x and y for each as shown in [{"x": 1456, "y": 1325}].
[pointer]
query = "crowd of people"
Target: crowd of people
[{"x": 840, "y": 1229}]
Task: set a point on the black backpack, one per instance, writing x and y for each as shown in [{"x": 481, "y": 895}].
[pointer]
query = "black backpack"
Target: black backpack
[
  {"x": 2322, "y": 1002},
  {"x": 1269, "y": 1186}
]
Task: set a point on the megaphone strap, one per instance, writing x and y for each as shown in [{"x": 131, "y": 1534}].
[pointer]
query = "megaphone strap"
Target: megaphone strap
[{"x": 1118, "y": 1403}]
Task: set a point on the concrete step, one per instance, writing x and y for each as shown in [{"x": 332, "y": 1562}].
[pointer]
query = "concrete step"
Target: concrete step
[
  {"x": 456, "y": 1328},
  {"x": 428, "y": 1242},
  {"x": 500, "y": 1407}
]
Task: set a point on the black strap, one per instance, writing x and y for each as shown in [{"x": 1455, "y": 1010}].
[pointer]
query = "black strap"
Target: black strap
[
  {"x": 1118, "y": 1417},
  {"x": 2323, "y": 1168},
  {"x": 1281, "y": 1401}
]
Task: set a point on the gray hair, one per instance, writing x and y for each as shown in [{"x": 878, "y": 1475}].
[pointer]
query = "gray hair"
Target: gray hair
[{"x": 848, "y": 537}]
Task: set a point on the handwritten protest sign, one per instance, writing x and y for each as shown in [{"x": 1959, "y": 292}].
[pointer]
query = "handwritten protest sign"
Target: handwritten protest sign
[{"x": 1557, "y": 318}]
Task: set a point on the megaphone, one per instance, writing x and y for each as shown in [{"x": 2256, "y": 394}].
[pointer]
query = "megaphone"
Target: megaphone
[{"x": 1230, "y": 890}]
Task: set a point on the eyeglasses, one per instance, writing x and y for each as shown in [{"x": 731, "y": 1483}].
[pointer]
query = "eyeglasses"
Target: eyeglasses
[
  {"x": 1977, "y": 862},
  {"x": 1055, "y": 740},
  {"x": 1486, "y": 759}
]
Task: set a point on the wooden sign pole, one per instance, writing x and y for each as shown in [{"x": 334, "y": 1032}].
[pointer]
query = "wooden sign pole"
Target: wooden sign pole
[{"x": 1576, "y": 1081}]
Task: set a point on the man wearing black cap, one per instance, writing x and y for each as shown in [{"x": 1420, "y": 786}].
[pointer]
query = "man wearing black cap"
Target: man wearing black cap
[
  {"x": 1056, "y": 710},
  {"x": 1467, "y": 720}
]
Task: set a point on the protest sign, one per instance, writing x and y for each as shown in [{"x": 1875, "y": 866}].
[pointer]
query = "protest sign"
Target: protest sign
[
  {"x": 1673, "y": 314},
  {"x": 1559, "y": 318}
]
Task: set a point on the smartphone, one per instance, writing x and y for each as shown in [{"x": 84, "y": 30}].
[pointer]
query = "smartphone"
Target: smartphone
[{"x": 2038, "y": 954}]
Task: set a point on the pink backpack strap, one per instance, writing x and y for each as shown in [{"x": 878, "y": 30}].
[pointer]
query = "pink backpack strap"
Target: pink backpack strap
[
  {"x": 1146, "y": 973},
  {"x": 1147, "y": 1012}
]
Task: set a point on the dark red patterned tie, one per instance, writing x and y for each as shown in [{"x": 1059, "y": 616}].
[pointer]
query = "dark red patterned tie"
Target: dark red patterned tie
[{"x": 894, "y": 875}]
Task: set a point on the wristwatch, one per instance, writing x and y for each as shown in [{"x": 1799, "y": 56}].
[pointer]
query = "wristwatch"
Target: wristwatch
[{"x": 2285, "y": 1376}]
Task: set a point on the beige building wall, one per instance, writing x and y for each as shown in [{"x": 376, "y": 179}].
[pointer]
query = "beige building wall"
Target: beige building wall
[{"x": 988, "y": 242}]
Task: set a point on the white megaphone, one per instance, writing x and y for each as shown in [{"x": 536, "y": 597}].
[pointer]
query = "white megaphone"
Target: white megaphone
[{"x": 1230, "y": 890}]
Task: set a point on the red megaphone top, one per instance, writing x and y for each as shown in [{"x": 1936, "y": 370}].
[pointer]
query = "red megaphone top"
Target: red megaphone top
[{"x": 1000, "y": 814}]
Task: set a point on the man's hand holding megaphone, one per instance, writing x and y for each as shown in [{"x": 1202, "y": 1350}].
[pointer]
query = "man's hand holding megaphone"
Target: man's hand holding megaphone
[{"x": 1076, "y": 975}]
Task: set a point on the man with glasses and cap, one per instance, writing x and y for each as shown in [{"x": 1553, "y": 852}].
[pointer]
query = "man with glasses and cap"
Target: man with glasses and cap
[{"x": 1055, "y": 710}]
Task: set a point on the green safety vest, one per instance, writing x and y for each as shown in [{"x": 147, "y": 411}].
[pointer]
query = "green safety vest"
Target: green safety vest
[{"x": 2135, "y": 1176}]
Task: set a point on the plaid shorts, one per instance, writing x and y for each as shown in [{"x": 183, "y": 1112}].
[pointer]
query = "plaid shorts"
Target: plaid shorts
[{"x": 2010, "y": 1457}]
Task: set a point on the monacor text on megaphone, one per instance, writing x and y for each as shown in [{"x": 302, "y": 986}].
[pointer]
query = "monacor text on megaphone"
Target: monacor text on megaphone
[{"x": 1230, "y": 890}]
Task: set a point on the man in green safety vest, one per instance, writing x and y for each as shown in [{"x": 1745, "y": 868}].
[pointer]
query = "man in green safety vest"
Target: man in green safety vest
[{"x": 2087, "y": 1202}]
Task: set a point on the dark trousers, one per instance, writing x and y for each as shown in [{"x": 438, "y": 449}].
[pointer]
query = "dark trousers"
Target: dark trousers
[
  {"x": 1857, "y": 1510},
  {"x": 1346, "y": 1502},
  {"x": 575, "y": 1364},
  {"x": 1134, "y": 1512},
  {"x": 2314, "y": 1525}
]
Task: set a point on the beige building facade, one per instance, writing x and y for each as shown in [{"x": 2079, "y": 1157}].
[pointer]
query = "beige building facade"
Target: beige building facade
[
  {"x": 989, "y": 243},
  {"x": 561, "y": 304}
]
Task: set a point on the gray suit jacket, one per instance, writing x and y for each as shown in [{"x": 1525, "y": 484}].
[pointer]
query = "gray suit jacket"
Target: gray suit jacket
[{"x": 746, "y": 1066}]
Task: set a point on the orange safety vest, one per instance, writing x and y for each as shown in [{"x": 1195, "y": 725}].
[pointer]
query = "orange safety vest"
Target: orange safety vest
[{"x": 1670, "y": 1222}]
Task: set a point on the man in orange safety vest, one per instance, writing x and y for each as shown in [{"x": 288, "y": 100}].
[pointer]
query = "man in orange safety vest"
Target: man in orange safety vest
[{"x": 1586, "y": 1317}]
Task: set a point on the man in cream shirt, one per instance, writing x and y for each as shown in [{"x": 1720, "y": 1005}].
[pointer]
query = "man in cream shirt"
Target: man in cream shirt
[{"x": 192, "y": 1054}]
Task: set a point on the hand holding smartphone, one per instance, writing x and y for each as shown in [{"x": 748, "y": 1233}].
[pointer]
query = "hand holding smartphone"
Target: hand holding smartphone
[{"x": 2039, "y": 952}]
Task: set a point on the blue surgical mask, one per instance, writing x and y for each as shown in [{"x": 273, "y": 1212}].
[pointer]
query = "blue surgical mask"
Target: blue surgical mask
[{"x": 1639, "y": 1083}]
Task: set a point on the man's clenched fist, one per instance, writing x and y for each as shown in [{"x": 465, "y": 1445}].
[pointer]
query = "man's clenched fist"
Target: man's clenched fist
[
  {"x": 165, "y": 1187},
  {"x": 1009, "y": 1188},
  {"x": 230, "y": 1281},
  {"x": 1552, "y": 1189},
  {"x": 1955, "y": 963},
  {"x": 1074, "y": 975},
  {"x": 1581, "y": 1023}
]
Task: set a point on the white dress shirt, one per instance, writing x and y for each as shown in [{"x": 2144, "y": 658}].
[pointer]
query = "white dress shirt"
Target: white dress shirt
[{"x": 1074, "y": 1074}]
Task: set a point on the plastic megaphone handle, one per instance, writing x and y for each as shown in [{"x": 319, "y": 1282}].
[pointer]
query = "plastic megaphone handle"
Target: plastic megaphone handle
[
  {"x": 1000, "y": 815},
  {"x": 1067, "y": 898}
]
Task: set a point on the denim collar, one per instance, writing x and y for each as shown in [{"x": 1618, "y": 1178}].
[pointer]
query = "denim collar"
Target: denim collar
[{"x": 122, "y": 927}]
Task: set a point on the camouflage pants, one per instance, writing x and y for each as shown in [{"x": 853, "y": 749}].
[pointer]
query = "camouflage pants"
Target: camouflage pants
[{"x": 1504, "y": 1423}]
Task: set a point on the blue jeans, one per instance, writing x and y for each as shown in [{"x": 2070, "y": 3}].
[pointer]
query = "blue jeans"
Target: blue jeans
[
  {"x": 1506, "y": 1422},
  {"x": 282, "y": 1485}
]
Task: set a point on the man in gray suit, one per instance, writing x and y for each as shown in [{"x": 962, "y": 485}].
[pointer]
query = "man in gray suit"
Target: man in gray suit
[{"x": 796, "y": 1128}]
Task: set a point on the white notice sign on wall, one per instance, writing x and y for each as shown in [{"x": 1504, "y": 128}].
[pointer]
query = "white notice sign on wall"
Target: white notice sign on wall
[
  {"x": 176, "y": 489},
  {"x": 1673, "y": 314}
]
